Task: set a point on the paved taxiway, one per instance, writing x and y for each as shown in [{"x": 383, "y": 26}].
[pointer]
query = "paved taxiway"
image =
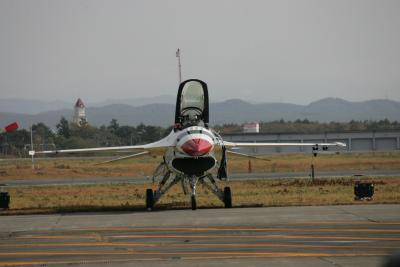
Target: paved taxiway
[
  {"x": 358, "y": 235},
  {"x": 232, "y": 177}
]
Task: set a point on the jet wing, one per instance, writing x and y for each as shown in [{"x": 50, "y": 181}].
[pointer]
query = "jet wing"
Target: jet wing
[
  {"x": 314, "y": 145},
  {"x": 158, "y": 147},
  {"x": 125, "y": 157},
  {"x": 245, "y": 155}
]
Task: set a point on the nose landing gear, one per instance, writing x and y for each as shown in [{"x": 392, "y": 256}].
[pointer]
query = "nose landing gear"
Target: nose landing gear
[
  {"x": 193, "y": 181},
  {"x": 193, "y": 202}
]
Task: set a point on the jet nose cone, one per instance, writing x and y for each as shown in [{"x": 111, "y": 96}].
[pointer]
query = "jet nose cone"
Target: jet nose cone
[{"x": 196, "y": 147}]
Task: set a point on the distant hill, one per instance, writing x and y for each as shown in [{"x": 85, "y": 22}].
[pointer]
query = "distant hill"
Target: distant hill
[
  {"x": 30, "y": 106},
  {"x": 162, "y": 99},
  {"x": 230, "y": 111},
  {"x": 324, "y": 110}
]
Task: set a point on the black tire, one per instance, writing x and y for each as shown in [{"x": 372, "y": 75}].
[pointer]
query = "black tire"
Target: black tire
[
  {"x": 227, "y": 197},
  {"x": 149, "y": 199},
  {"x": 193, "y": 201}
]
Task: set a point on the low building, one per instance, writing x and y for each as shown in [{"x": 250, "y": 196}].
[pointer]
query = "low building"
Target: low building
[
  {"x": 253, "y": 127},
  {"x": 362, "y": 141}
]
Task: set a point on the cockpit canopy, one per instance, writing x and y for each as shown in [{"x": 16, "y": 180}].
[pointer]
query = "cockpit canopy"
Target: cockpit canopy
[{"x": 192, "y": 104}]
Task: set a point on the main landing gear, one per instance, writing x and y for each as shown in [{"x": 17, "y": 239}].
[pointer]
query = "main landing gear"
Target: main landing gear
[
  {"x": 189, "y": 183},
  {"x": 149, "y": 199},
  {"x": 227, "y": 197}
]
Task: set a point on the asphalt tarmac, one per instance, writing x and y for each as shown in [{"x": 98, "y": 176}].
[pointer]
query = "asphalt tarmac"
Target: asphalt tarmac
[
  {"x": 232, "y": 177},
  {"x": 358, "y": 235}
]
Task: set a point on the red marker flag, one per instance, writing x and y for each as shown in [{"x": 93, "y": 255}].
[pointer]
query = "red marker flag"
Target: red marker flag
[{"x": 11, "y": 127}]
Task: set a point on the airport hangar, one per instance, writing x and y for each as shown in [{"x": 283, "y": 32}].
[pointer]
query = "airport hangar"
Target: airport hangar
[{"x": 365, "y": 141}]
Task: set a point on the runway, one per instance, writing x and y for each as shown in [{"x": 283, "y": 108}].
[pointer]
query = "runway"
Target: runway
[
  {"x": 359, "y": 235},
  {"x": 233, "y": 177}
]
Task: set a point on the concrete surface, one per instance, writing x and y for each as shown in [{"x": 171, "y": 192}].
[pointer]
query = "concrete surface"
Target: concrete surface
[
  {"x": 232, "y": 177},
  {"x": 358, "y": 235}
]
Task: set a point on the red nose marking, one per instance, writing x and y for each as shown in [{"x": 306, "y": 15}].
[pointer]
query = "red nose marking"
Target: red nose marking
[{"x": 196, "y": 147}]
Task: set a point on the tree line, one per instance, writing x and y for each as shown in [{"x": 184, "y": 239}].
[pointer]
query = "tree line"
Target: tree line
[
  {"x": 307, "y": 126},
  {"x": 68, "y": 135}
]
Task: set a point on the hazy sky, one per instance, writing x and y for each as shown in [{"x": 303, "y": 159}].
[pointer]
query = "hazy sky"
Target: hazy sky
[{"x": 292, "y": 51}]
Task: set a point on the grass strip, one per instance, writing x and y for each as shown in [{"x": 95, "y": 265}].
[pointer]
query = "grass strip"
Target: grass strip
[{"x": 250, "y": 193}]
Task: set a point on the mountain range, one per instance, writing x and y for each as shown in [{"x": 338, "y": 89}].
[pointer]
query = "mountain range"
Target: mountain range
[
  {"x": 30, "y": 106},
  {"x": 161, "y": 111}
]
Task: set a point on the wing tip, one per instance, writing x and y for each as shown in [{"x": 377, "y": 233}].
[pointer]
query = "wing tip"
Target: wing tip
[{"x": 341, "y": 144}]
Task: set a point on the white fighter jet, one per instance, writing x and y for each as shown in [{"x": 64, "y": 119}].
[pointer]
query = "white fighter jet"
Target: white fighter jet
[{"x": 192, "y": 153}]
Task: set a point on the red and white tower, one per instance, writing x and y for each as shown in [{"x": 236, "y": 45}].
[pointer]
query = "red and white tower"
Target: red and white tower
[{"x": 79, "y": 113}]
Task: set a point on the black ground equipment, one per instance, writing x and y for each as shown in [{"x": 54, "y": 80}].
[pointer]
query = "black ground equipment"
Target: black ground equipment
[
  {"x": 363, "y": 190},
  {"x": 4, "y": 200}
]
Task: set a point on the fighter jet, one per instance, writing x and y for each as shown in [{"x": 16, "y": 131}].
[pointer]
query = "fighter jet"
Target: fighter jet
[{"x": 193, "y": 153}]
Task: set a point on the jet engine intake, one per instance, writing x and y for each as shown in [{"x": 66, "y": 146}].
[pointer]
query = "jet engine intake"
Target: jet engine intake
[{"x": 194, "y": 166}]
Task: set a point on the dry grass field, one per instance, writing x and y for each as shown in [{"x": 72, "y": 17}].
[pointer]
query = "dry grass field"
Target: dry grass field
[
  {"x": 130, "y": 197},
  {"x": 85, "y": 168},
  {"x": 262, "y": 192}
]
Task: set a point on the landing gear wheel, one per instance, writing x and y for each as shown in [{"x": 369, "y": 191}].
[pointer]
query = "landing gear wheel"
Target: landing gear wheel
[
  {"x": 149, "y": 199},
  {"x": 193, "y": 200},
  {"x": 227, "y": 197}
]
